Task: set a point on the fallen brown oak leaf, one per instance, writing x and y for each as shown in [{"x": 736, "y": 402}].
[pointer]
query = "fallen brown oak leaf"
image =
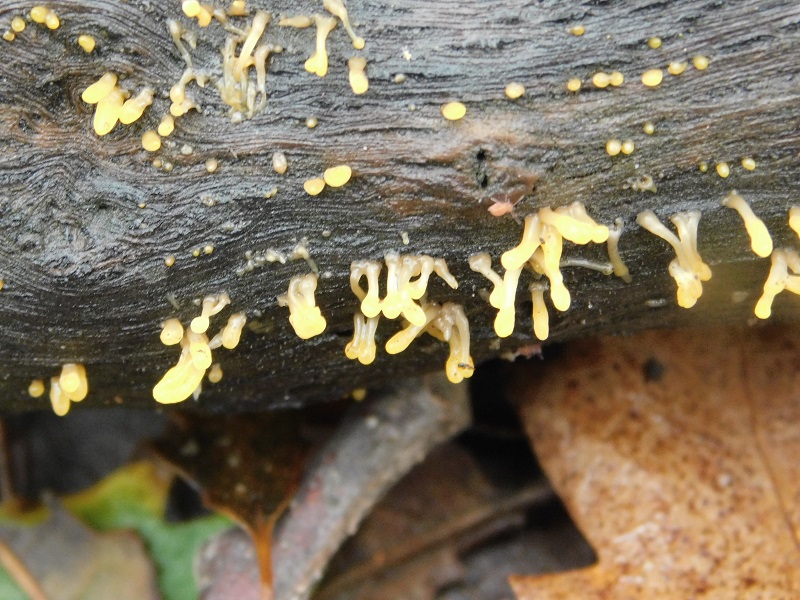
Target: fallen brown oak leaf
[{"x": 676, "y": 455}]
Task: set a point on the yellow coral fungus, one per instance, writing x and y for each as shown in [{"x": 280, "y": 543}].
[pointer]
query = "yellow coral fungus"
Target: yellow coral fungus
[
  {"x": 317, "y": 63},
  {"x": 337, "y": 176},
  {"x": 58, "y": 399},
  {"x": 337, "y": 9},
  {"x": 212, "y": 305},
  {"x": 370, "y": 300},
  {"x": 314, "y": 187},
  {"x": 760, "y": 239},
  {"x": 232, "y": 332},
  {"x": 215, "y": 373},
  {"x": 133, "y": 108},
  {"x": 304, "y": 314},
  {"x": 454, "y": 111},
  {"x": 99, "y": 89},
  {"x": 86, "y": 42},
  {"x": 620, "y": 269},
  {"x": 541, "y": 320},
  {"x": 358, "y": 78},
  {"x": 107, "y": 112},
  {"x": 779, "y": 279},
  {"x": 171, "y": 332},
  {"x": 151, "y": 141},
  {"x": 301, "y": 22},
  {"x": 180, "y": 381},
  {"x": 453, "y": 326},
  {"x": 362, "y": 347},
  {"x": 73, "y": 381},
  {"x": 519, "y": 255}
]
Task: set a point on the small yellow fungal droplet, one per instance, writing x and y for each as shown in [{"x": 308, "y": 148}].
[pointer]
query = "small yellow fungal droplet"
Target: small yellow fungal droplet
[
  {"x": 166, "y": 126},
  {"x": 211, "y": 165},
  {"x": 577, "y": 30},
  {"x": 18, "y": 25},
  {"x": 208, "y": 249},
  {"x": 338, "y": 176},
  {"x": 601, "y": 80},
  {"x": 279, "y": 163},
  {"x": 676, "y": 68},
  {"x": 358, "y": 78},
  {"x": 652, "y": 77},
  {"x": 9, "y": 36},
  {"x": 654, "y": 42},
  {"x": 703, "y": 167},
  {"x": 613, "y": 147},
  {"x": 314, "y": 187},
  {"x": 237, "y": 9},
  {"x": 170, "y": 260},
  {"x": 171, "y": 332},
  {"x": 191, "y": 8},
  {"x": 574, "y": 84},
  {"x": 700, "y": 62},
  {"x": 151, "y": 141},
  {"x": 723, "y": 170},
  {"x": 515, "y": 90},
  {"x": 107, "y": 112},
  {"x": 86, "y": 42},
  {"x": 134, "y": 107},
  {"x": 649, "y": 128},
  {"x": 52, "y": 21},
  {"x": 215, "y": 373},
  {"x": 99, "y": 89},
  {"x": 39, "y": 14},
  {"x": 616, "y": 79},
  {"x": 749, "y": 164},
  {"x": 627, "y": 147},
  {"x": 359, "y": 394},
  {"x": 453, "y": 111},
  {"x": 311, "y": 122},
  {"x": 36, "y": 388},
  {"x": 196, "y": 252}
]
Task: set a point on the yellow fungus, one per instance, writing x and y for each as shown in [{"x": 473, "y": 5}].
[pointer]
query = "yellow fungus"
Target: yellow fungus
[
  {"x": 359, "y": 394},
  {"x": 238, "y": 8},
  {"x": 370, "y": 301},
  {"x": 541, "y": 320},
  {"x": 794, "y": 219},
  {"x": 107, "y": 112},
  {"x": 760, "y": 239},
  {"x": 171, "y": 332},
  {"x": 73, "y": 381},
  {"x": 9, "y": 36},
  {"x": 52, "y": 21},
  {"x": 337, "y": 176},
  {"x": 617, "y": 264},
  {"x": 654, "y": 43},
  {"x": 652, "y": 77},
  {"x": 649, "y": 128},
  {"x": 215, "y": 373},
  {"x": 18, "y": 26},
  {"x": 166, "y": 126},
  {"x": 311, "y": 122},
  {"x": 179, "y": 382},
  {"x": 362, "y": 346},
  {"x": 204, "y": 17},
  {"x": 453, "y": 111},
  {"x": 58, "y": 399},
  {"x": 305, "y": 316},
  {"x": 151, "y": 141},
  {"x": 749, "y": 164},
  {"x": 170, "y": 260},
  {"x": 723, "y": 169},
  {"x": 211, "y": 165},
  {"x": 515, "y": 90},
  {"x": 577, "y": 30},
  {"x": 627, "y": 147},
  {"x": 86, "y": 42},
  {"x": 191, "y": 8},
  {"x": 317, "y": 63},
  {"x": 36, "y": 388},
  {"x": 199, "y": 349},
  {"x": 601, "y": 80},
  {"x": 358, "y": 78},
  {"x": 676, "y": 67},
  {"x": 232, "y": 332},
  {"x": 519, "y": 255},
  {"x": 279, "y": 163},
  {"x": 39, "y": 14},
  {"x": 453, "y": 326},
  {"x": 212, "y": 305},
  {"x": 700, "y": 62},
  {"x": 99, "y": 89},
  {"x": 613, "y": 147},
  {"x": 574, "y": 84},
  {"x": 301, "y": 22},
  {"x": 337, "y": 9},
  {"x": 778, "y": 280},
  {"x": 196, "y": 252},
  {"x": 314, "y": 187},
  {"x": 616, "y": 79},
  {"x": 133, "y": 108},
  {"x": 703, "y": 167}
]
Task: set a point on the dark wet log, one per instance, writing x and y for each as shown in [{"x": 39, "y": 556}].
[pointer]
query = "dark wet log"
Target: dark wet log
[{"x": 83, "y": 264}]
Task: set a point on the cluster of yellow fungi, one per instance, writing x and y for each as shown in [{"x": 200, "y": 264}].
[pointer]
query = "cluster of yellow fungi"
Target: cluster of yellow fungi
[
  {"x": 305, "y": 316},
  {"x": 71, "y": 385},
  {"x": 334, "y": 177},
  {"x": 112, "y": 105},
  {"x": 186, "y": 377}
]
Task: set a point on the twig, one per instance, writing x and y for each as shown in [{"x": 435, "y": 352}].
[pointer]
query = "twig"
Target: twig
[{"x": 20, "y": 573}]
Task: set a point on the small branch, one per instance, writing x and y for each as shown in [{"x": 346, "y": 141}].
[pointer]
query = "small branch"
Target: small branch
[{"x": 20, "y": 573}]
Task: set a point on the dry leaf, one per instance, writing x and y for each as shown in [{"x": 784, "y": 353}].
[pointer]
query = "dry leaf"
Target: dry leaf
[{"x": 676, "y": 454}]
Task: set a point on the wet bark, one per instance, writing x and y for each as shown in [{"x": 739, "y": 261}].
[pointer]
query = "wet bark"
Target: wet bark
[{"x": 83, "y": 263}]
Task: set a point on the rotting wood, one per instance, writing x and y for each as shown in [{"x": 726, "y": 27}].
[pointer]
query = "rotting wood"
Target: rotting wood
[{"x": 83, "y": 265}]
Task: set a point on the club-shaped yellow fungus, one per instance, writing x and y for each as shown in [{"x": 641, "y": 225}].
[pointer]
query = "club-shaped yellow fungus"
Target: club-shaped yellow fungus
[
  {"x": 370, "y": 300},
  {"x": 362, "y": 346},
  {"x": 36, "y": 388},
  {"x": 58, "y": 399},
  {"x": 180, "y": 381},
  {"x": 314, "y": 187},
  {"x": 760, "y": 239},
  {"x": 151, "y": 141},
  {"x": 451, "y": 326},
  {"x": 794, "y": 219},
  {"x": 616, "y": 79},
  {"x": 613, "y": 147},
  {"x": 305, "y": 316},
  {"x": 619, "y": 267},
  {"x": 212, "y": 305},
  {"x": 51, "y": 20},
  {"x": 337, "y": 176},
  {"x": 99, "y": 89},
  {"x": 232, "y": 332},
  {"x": 654, "y": 43},
  {"x": 649, "y": 128},
  {"x": 73, "y": 381},
  {"x": 748, "y": 164},
  {"x": 601, "y": 80},
  {"x": 279, "y": 163},
  {"x": 403, "y": 338},
  {"x": 700, "y": 62},
  {"x": 453, "y": 111},
  {"x": 317, "y": 63},
  {"x": 687, "y": 269},
  {"x": 627, "y": 147},
  {"x": 39, "y": 14},
  {"x": 171, "y": 332},
  {"x": 541, "y": 320},
  {"x": 779, "y": 279},
  {"x": 86, "y": 42},
  {"x": 358, "y": 78},
  {"x": 18, "y": 26},
  {"x": 515, "y": 90},
  {"x": 107, "y": 112},
  {"x": 676, "y": 67},
  {"x": 723, "y": 169},
  {"x": 300, "y": 22},
  {"x": 577, "y": 30},
  {"x": 9, "y": 36},
  {"x": 191, "y": 8},
  {"x": 574, "y": 84},
  {"x": 133, "y": 108},
  {"x": 337, "y": 9},
  {"x": 215, "y": 373},
  {"x": 652, "y": 77}
]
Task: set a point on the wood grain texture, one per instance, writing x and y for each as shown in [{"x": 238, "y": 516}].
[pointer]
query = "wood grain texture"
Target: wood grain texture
[{"x": 83, "y": 265}]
